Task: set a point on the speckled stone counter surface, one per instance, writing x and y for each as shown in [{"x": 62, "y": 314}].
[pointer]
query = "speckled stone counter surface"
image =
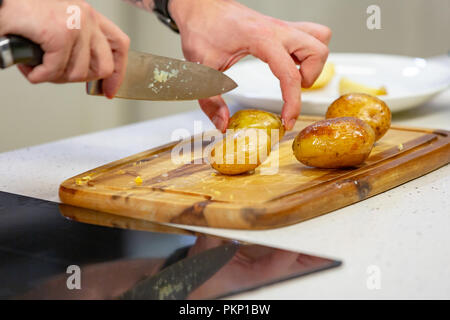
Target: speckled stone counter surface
[{"x": 393, "y": 245}]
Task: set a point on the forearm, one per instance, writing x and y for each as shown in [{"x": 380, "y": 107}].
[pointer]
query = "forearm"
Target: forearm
[{"x": 143, "y": 4}]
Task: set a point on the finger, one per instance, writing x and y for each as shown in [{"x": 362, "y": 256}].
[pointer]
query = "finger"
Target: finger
[
  {"x": 212, "y": 59},
  {"x": 216, "y": 109},
  {"x": 78, "y": 66},
  {"x": 284, "y": 68},
  {"x": 119, "y": 44},
  {"x": 220, "y": 61},
  {"x": 102, "y": 62},
  {"x": 310, "y": 53},
  {"x": 52, "y": 67},
  {"x": 234, "y": 59},
  {"x": 318, "y": 31},
  {"x": 24, "y": 69}
]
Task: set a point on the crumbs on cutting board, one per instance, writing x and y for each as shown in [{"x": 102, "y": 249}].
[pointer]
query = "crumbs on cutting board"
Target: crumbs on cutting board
[
  {"x": 83, "y": 180},
  {"x": 138, "y": 180}
]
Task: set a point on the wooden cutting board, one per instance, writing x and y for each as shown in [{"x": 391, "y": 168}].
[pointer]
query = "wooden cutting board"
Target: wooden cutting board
[{"x": 195, "y": 194}]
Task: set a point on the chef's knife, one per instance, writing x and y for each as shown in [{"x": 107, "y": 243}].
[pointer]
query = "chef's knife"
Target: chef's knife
[{"x": 148, "y": 76}]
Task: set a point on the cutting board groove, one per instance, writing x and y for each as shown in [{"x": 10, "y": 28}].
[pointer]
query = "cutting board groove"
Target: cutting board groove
[{"x": 195, "y": 194}]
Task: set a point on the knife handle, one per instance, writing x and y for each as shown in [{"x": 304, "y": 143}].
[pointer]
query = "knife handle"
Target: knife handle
[
  {"x": 16, "y": 49},
  {"x": 95, "y": 87}
]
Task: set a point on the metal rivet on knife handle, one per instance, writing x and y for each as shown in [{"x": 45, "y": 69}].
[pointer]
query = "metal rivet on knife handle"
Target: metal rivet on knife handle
[{"x": 95, "y": 87}]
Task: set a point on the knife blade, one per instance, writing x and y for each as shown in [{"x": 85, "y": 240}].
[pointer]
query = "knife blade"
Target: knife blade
[
  {"x": 178, "y": 280},
  {"x": 148, "y": 76},
  {"x": 152, "y": 77}
]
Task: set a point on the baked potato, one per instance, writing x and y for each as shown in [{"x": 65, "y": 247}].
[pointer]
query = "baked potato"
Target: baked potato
[
  {"x": 257, "y": 119},
  {"x": 334, "y": 143},
  {"x": 240, "y": 152},
  {"x": 365, "y": 107}
]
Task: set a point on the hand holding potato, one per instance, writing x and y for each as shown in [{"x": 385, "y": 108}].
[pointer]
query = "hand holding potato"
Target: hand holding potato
[{"x": 220, "y": 33}]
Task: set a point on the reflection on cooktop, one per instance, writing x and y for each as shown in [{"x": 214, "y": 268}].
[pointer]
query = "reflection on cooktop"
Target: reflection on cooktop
[{"x": 94, "y": 255}]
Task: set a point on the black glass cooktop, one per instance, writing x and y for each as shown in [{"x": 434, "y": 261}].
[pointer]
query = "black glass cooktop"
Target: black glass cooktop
[{"x": 52, "y": 251}]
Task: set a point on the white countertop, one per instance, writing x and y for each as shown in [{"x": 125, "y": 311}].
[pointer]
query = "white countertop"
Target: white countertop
[{"x": 403, "y": 232}]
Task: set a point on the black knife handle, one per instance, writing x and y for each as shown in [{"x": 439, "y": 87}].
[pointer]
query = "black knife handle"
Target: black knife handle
[{"x": 16, "y": 49}]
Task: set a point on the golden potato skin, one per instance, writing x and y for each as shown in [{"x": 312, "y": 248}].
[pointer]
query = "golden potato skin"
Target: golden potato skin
[
  {"x": 365, "y": 107},
  {"x": 334, "y": 143},
  {"x": 256, "y": 119},
  {"x": 241, "y": 122},
  {"x": 253, "y": 150}
]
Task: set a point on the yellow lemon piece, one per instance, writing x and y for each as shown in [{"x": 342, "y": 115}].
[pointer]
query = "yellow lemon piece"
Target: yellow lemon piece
[
  {"x": 324, "y": 78},
  {"x": 348, "y": 86}
]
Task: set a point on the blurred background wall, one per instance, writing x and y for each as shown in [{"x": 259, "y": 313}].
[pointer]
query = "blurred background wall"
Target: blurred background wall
[{"x": 35, "y": 114}]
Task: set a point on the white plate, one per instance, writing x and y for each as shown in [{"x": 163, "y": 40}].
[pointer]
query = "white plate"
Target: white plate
[{"x": 409, "y": 81}]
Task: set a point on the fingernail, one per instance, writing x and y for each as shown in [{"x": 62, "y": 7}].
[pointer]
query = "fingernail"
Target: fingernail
[{"x": 218, "y": 122}]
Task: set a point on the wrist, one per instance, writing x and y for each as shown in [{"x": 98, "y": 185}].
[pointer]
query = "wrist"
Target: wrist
[
  {"x": 14, "y": 17},
  {"x": 161, "y": 9},
  {"x": 185, "y": 12},
  {"x": 178, "y": 10},
  {"x": 4, "y": 8}
]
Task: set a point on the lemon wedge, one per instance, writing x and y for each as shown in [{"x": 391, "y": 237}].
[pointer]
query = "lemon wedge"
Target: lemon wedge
[
  {"x": 324, "y": 78},
  {"x": 348, "y": 86}
]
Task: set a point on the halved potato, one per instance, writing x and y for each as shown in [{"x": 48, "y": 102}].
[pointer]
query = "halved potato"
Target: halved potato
[
  {"x": 240, "y": 152},
  {"x": 258, "y": 119},
  {"x": 334, "y": 143}
]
